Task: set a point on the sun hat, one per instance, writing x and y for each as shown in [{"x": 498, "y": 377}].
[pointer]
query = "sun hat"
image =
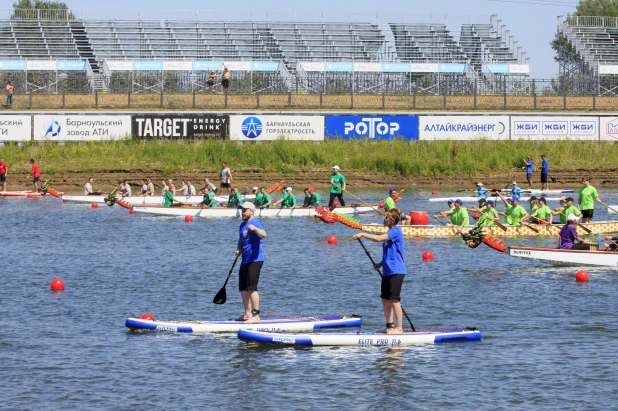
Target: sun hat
[
  {"x": 572, "y": 217},
  {"x": 569, "y": 199},
  {"x": 248, "y": 205}
]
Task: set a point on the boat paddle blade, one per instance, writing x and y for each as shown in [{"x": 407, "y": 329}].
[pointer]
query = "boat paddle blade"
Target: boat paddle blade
[{"x": 221, "y": 297}]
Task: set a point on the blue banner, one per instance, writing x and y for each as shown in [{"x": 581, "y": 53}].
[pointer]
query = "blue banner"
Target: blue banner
[
  {"x": 70, "y": 65},
  {"x": 342, "y": 67},
  {"x": 265, "y": 66},
  {"x": 451, "y": 68},
  {"x": 148, "y": 65},
  {"x": 16, "y": 65},
  {"x": 396, "y": 67},
  {"x": 372, "y": 127},
  {"x": 207, "y": 65}
]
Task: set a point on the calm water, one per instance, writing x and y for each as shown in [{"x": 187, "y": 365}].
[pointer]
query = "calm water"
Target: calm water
[{"x": 549, "y": 342}]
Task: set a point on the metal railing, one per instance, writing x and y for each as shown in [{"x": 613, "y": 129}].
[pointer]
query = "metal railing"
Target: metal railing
[{"x": 591, "y": 21}]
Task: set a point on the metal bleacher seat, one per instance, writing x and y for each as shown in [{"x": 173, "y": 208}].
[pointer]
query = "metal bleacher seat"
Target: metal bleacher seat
[
  {"x": 425, "y": 42},
  {"x": 596, "y": 44}
]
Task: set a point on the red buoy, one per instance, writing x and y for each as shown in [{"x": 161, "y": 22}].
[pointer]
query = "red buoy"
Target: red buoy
[
  {"x": 433, "y": 193},
  {"x": 332, "y": 239},
  {"x": 131, "y": 211},
  {"x": 188, "y": 218},
  {"x": 419, "y": 218},
  {"x": 427, "y": 256},
  {"x": 65, "y": 201},
  {"x": 95, "y": 205},
  {"x": 29, "y": 195},
  {"x": 57, "y": 284},
  {"x": 581, "y": 276},
  {"x": 147, "y": 317},
  {"x": 475, "y": 216}
]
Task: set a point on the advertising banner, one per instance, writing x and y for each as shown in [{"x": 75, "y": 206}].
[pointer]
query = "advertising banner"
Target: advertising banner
[
  {"x": 147, "y": 65},
  {"x": 207, "y": 65},
  {"x": 15, "y": 128},
  {"x": 46, "y": 65},
  {"x": 339, "y": 67},
  {"x": 180, "y": 126},
  {"x": 608, "y": 128},
  {"x": 451, "y": 68},
  {"x": 238, "y": 65},
  {"x": 463, "y": 127},
  {"x": 265, "y": 66},
  {"x": 178, "y": 65},
  {"x": 368, "y": 67},
  {"x": 309, "y": 66},
  {"x": 17, "y": 65},
  {"x": 396, "y": 67},
  {"x": 424, "y": 67},
  {"x": 496, "y": 68},
  {"x": 78, "y": 127},
  {"x": 257, "y": 127},
  {"x": 554, "y": 128},
  {"x": 70, "y": 65},
  {"x": 119, "y": 65},
  {"x": 372, "y": 127},
  {"x": 519, "y": 68}
]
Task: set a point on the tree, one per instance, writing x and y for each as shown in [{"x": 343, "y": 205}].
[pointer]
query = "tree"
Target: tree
[
  {"x": 600, "y": 8},
  {"x": 23, "y": 9}
]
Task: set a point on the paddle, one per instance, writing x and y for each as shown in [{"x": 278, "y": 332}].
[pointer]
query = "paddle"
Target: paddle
[
  {"x": 586, "y": 229},
  {"x": 368, "y": 205},
  {"x": 437, "y": 218},
  {"x": 498, "y": 223},
  {"x": 221, "y": 296},
  {"x": 380, "y": 272},
  {"x": 511, "y": 181},
  {"x": 608, "y": 207}
]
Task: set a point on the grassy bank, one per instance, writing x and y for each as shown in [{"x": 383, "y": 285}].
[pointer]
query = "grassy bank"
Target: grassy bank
[{"x": 439, "y": 158}]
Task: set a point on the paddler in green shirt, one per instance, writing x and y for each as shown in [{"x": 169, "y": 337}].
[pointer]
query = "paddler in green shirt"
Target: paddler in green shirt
[
  {"x": 587, "y": 196},
  {"x": 337, "y": 187},
  {"x": 262, "y": 200},
  {"x": 566, "y": 209},
  {"x": 315, "y": 201},
  {"x": 533, "y": 207},
  {"x": 543, "y": 214},
  {"x": 489, "y": 215},
  {"x": 514, "y": 213},
  {"x": 169, "y": 198},
  {"x": 234, "y": 199},
  {"x": 389, "y": 204},
  {"x": 208, "y": 201},
  {"x": 288, "y": 200},
  {"x": 451, "y": 206},
  {"x": 460, "y": 216}
]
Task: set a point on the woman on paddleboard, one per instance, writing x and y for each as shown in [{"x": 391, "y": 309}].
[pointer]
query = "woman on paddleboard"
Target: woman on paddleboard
[{"x": 394, "y": 270}]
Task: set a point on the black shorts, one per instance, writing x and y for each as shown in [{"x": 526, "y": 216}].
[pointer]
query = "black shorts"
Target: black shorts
[
  {"x": 225, "y": 185},
  {"x": 543, "y": 178},
  {"x": 249, "y": 275},
  {"x": 36, "y": 180},
  {"x": 225, "y": 82},
  {"x": 391, "y": 287},
  {"x": 2, "y": 177},
  {"x": 587, "y": 213},
  {"x": 529, "y": 176},
  {"x": 210, "y": 83}
]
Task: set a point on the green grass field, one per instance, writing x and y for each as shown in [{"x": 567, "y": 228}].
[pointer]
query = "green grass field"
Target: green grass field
[{"x": 436, "y": 158}]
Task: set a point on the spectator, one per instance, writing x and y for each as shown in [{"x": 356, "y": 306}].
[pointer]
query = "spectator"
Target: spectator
[
  {"x": 225, "y": 79},
  {"x": 10, "y": 89}
]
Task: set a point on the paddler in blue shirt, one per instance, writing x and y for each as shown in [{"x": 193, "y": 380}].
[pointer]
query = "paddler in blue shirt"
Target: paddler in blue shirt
[
  {"x": 529, "y": 165},
  {"x": 394, "y": 270},
  {"x": 515, "y": 191},
  {"x": 481, "y": 191}
]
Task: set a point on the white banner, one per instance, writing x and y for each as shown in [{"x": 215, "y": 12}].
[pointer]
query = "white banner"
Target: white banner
[
  {"x": 178, "y": 65},
  {"x": 423, "y": 68},
  {"x": 238, "y": 65},
  {"x": 78, "y": 127},
  {"x": 608, "y": 69},
  {"x": 463, "y": 127},
  {"x": 255, "y": 128},
  {"x": 15, "y": 128},
  {"x": 121, "y": 65},
  {"x": 368, "y": 67},
  {"x": 554, "y": 128},
  {"x": 41, "y": 65},
  {"x": 310, "y": 66},
  {"x": 519, "y": 68},
  {"x": 608, "y": 128}
]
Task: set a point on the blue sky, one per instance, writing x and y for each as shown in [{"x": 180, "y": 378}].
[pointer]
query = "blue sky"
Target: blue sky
[{"x": 533, "y": 25}]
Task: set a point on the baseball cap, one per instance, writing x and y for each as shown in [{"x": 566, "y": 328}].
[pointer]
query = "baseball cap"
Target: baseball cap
[
  {"x": 479, "y": 184},
  {"x": 248, "y": 205},
  {"x": 458, "y": 201},
  {"x": 288, "y": 189},
  {"x": 543, "y": 155},
  {"x": 543, "y": 199},
  {"x": 336, "y": 168},
  {"x": 514, "y": 198},
  {"x": 490, "y": 202},
  {"x": 530, "y": 157},
  {"x": 572, "y": 217},
  {"x": 563, "y": 198},
  {"x": 482, "y": 200},
  {"x": 569, "y": 199},
  {"x": 533, "y": 198},
  {"x": 255, "y": 188},
  {"x": 392, "y": 189},
  {"x": 514, "y": 183},
  {"x": 311, "y": 190},
  {"x": 450, "y": 201}
]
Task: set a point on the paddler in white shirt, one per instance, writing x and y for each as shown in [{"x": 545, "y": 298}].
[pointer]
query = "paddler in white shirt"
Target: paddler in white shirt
[{"x": 88, "y": 187}]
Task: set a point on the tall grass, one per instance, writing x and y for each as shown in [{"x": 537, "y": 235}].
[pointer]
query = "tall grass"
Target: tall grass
[{"x": 420, "y": 158}]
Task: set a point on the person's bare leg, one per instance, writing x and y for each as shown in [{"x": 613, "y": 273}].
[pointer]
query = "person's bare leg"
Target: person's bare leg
[
  {"x": 254, "y": 304},
  {"x": 247, "y": 303},
  {"x": 398, "y": 318},
  {"x": 388, "y": 313}
]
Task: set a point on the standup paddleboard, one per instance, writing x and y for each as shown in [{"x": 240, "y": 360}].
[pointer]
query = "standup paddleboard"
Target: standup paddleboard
[
  {"x": 495, "y": 198},
  {"x": 21, "y": 194},
  {"x": 267, "y": 324},
  {"x": 363, "y": 339}
]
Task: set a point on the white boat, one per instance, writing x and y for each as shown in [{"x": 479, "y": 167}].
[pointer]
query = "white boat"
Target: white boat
[
  {"x": 266, "y": 324},
  {"x": 148, "y": 200},
  {"x": 537, "y": 191},
  {"x": 235, "y": 212},
  {"x": 362, "y": 339},
  {"x": 493, "y": 197},
  {"x": 578, "y": 257}
]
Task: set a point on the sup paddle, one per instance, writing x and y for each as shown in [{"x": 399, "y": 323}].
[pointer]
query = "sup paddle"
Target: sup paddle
[
  {"x": 380, "y": 272},
  {"x": 221, "y": 296}
]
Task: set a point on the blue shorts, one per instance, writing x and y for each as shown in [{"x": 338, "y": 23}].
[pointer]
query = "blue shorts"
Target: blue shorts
[
  {"x": 36, "y": 179},
  {"x": 2, "y": 177}
]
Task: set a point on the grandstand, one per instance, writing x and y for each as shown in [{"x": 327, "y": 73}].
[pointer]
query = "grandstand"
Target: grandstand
[
  {"x": 594, "y": 38},
  {"x": 474, "y": 42}
]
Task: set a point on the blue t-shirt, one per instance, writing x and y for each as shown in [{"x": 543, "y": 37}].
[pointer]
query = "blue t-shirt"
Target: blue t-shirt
[
  {"x": 545, "y": 167},
  {"x": 530, "y": 164},
  {"x": 392, "y": 253},
  {"x": 482, "y": 192},
  {"x": 252, "y": 248},
  {"x": 515, "y": 191}
]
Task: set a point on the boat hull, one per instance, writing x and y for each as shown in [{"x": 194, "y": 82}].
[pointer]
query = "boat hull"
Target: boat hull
[
  {"x": 361, "y": 339},
  {"x": 601, "y": 227},
  {"x": 147, "y": 200},
  {"x": 234, "y": 212},
  {"x": 22, "y": 194},
  {"x": 577, "y": 257},
  {"x": 267, "y": 324}
]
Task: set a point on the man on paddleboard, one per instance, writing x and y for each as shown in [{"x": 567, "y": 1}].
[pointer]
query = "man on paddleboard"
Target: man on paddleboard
[
  {"x": 587, "y": 196},
  {"x": 544, "y": 171},
  {"x": 529, "y": 166},
  {"x": 250, "y": 236},
  {"x": 394, "y": 270},
  {"x": 225, "y": 174},
  {"x": 337, "y": 187},
  {"x": 150, "y": 190}
]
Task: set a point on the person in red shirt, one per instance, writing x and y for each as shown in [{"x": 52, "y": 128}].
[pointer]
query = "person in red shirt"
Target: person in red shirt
[
  {"x": 36, "y": 174},
  {"x": 3, "y": 170}
]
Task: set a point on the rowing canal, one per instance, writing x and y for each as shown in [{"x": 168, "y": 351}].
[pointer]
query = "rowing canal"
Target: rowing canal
[{"x": 549, "y": 342}]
